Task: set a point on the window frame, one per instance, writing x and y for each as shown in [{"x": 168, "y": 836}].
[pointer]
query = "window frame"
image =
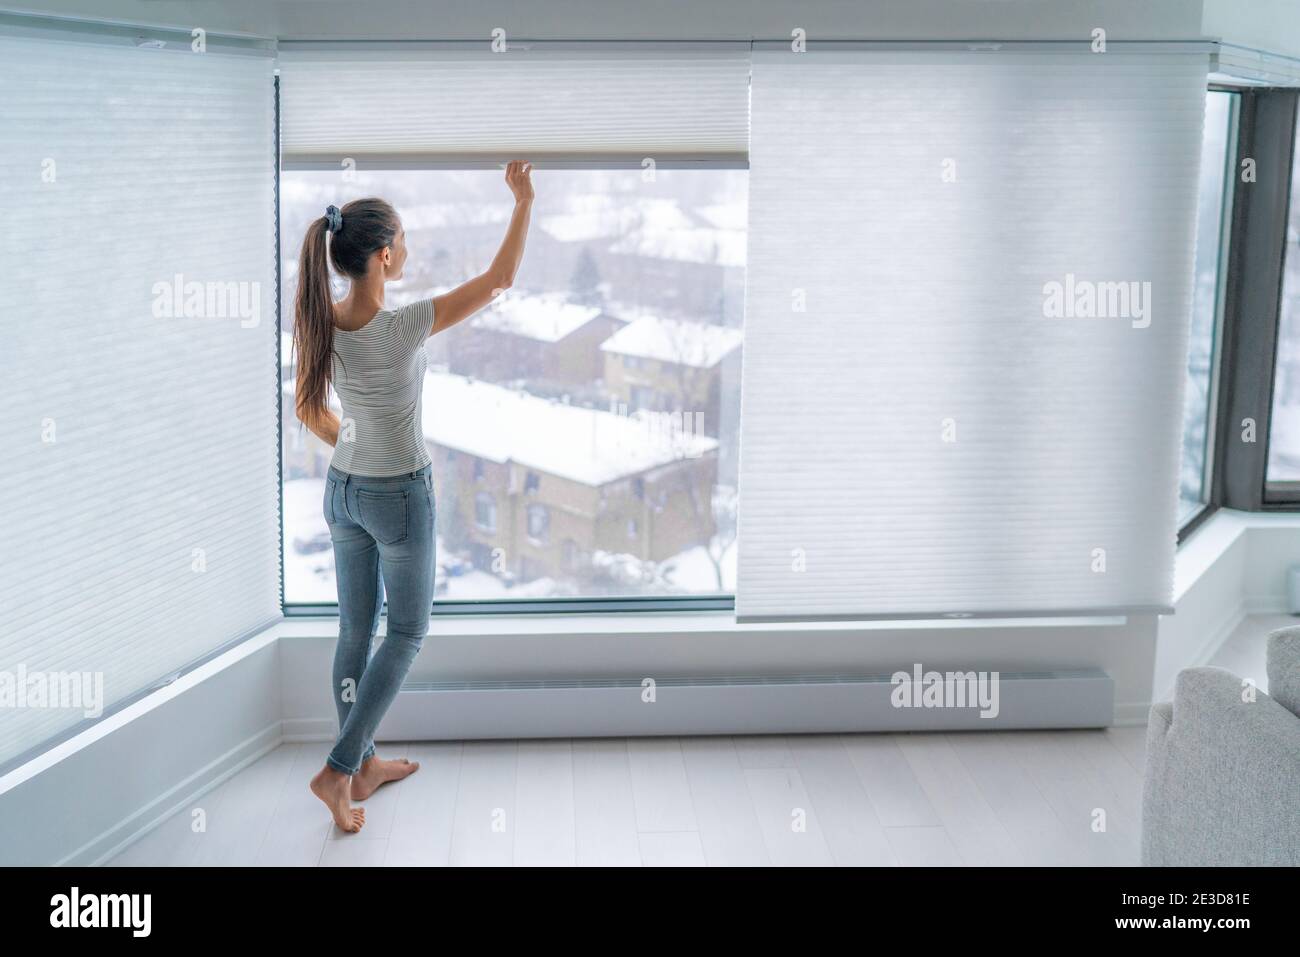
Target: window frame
[
  {"x": 1209, "y": 470},
  {"x": 1267, "y": 129}
]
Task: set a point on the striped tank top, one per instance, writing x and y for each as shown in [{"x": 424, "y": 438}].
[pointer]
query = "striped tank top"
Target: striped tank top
[{"x": 378, "y": 375}]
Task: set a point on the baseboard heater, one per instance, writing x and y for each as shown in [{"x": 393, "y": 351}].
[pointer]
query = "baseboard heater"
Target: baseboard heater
[{"x": 807, "y": 704}]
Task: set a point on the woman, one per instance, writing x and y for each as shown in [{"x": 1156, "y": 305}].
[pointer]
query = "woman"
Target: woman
[{"x": 379, "y": 488}]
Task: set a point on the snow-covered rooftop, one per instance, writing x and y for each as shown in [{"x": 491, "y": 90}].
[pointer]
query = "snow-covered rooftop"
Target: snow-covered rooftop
[
  {"x": 590, "y": 446},
  {"x": 672, "y": 340},
  {"x": 656, "y": 227},
  {"x": 546, "y": 318},
  {"x": 696, "y": 244}
]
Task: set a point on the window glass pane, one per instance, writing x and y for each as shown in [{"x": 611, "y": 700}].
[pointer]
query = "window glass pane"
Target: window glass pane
[
  {"x": 584, "y": 428},
  {"x": 1194, "y": 480},
  {"x": 1284, "y": 431}
]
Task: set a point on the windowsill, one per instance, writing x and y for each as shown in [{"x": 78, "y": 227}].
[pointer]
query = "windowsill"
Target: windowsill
[
  {"x": 671, "y": 623},
  {"x": 1214, "y": 537}
]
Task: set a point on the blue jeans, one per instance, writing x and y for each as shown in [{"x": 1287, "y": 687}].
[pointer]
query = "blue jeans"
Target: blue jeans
[{"x": 382, "y": 529}]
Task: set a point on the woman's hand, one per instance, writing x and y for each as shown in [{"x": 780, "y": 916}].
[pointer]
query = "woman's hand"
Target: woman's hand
[{"x": 517, "y": 178}]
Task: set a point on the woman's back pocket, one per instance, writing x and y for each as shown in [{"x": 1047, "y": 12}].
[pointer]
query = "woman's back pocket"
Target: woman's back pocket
[{"x": 384, "y": 515}]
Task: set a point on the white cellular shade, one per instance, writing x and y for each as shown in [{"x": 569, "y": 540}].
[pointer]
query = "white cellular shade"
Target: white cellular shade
[
  {"x": 914, "y": 206},
  {"x": 597, "y": 102},
  {"x": 141, "y": 526}
]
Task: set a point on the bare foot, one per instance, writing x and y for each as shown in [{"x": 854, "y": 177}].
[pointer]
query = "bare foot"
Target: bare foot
[
  {"x": 376, "y": 771},
  {"x": 332, "y": 787}
]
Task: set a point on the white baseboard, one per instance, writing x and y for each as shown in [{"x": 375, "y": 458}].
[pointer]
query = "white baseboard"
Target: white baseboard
[
  {"x": 309, "y": 729},
  {"x": 1265, "y": 605}
]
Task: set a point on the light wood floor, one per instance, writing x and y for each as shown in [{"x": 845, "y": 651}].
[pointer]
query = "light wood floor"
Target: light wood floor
[{"x": 999, "y": 798}]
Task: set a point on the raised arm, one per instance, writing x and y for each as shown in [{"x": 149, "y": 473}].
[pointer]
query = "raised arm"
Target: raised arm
[{"x": 468, "y": 298}]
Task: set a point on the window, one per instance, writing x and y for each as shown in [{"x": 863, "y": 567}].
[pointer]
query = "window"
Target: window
[
  {"x": 1212, "y": 222},
  {"x": 1284, "y": 430},
  {"x": 485, "y": 512},
  {"x": 659, "y": 263},
  {"x": 539, "y": 521},
  {"x": 641, "y": 397}
]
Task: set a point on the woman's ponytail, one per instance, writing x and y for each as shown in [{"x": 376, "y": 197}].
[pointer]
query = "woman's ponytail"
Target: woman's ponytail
[{"x": 313, "y": 323}]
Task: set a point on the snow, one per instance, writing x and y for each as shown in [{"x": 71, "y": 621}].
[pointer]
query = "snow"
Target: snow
[
  {"x": 692, "y": 571},
  {"x": 671, "y": 340},
  {"x": 308, "y": 576},
  {"x": 590, "y": 446},
  {"x": 546, "y": 318}
]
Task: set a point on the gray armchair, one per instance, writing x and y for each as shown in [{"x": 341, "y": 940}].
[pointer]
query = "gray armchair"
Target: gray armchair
[{"x": 1222, "y": 783}]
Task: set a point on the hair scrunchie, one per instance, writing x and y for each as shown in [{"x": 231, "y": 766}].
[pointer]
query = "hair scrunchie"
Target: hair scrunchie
[{"x": 333, "y": 219}]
